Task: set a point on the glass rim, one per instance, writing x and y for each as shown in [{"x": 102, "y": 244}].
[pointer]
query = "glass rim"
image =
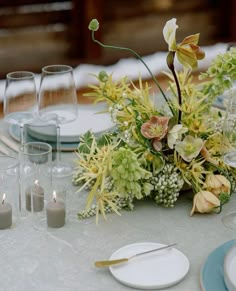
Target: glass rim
[
  {"x": 14, "y": 164},
  {"x": 20, "y": 75},
  {"x": 46, "y": 145},
  {"x": 64, "y": 69}
]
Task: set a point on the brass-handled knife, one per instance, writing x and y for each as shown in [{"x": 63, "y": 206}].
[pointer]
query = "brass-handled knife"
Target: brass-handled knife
[
  {"x": 108, "y": 263},
  {"x": 10, "y": 143}
]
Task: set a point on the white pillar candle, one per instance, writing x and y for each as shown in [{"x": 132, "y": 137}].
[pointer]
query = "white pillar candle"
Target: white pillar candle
[
  {"x": 5, "y": 214},
  {"x": 37, "y": 192},
  {"x": 56, "y": 212}
]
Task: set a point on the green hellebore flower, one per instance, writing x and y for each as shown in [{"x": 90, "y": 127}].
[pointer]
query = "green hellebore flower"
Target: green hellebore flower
[
  {"x": 93, "y": 25},
  {"x": 175, "y": 134},
  {"x": 189, "y": 148}
]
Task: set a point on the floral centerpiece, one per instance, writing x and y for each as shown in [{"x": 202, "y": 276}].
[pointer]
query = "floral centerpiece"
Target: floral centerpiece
[{"x": 157, "y": 149}]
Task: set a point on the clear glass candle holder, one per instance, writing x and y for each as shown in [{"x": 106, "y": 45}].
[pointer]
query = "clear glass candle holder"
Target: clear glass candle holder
[
  {"x": 10, "y": 202},
  {"x": 35, "y": 178},
  {"x": 40, "y": 131}
]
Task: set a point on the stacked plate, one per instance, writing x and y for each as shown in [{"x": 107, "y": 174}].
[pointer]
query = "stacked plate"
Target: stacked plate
[
  {"x": 89, "y": 118},
  {"x": 219, "y": 270}
]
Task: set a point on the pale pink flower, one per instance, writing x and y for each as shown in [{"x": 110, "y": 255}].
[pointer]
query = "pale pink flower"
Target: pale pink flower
[
  {"x": 204, "y": 202},
  {"x": 156, "y": 127},
  {"x": 217, "y": 184}
]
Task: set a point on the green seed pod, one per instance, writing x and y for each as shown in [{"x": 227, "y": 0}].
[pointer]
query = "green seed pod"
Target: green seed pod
[{"x": 93, "y": 25}]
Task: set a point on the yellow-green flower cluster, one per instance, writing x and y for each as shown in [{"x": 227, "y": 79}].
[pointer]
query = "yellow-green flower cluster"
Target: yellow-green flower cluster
[{"x": 128, "y": 174}]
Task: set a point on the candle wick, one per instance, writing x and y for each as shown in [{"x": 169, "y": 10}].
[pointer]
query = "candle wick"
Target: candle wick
[{"x": 54, "y": 199}]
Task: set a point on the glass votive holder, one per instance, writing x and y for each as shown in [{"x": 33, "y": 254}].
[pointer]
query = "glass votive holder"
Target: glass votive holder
[
  {"x": 57, "y": 208},
  {"x": 40, "y": 131},
  {"x": 9, "y": 192},
  {"x": 35, "y": 177}
]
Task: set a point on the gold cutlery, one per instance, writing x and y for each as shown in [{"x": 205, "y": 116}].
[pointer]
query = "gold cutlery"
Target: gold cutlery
[
  {"x": 108, "y": 263},
  {"x": 11, "y": 144},
  {"x": 3, "y": 150}
]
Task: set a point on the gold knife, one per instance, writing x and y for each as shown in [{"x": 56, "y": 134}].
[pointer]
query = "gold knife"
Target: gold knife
[
  {"x": 4, "y": 151},
  {"x": 108, "y": 263},
  {"x": 10, "y": 143}
]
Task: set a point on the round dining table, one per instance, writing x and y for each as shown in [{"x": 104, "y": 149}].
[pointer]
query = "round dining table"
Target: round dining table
[{"x": 62, "y": 259}]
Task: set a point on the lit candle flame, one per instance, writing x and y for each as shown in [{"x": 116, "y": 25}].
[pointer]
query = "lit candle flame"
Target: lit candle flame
[
  {"x": 3, "y": 198},
  {"x": 54, "y": 194},
  {"x": 36, "y": 182}
]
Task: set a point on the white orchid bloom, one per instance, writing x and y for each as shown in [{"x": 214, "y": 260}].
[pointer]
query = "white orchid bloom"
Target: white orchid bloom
[
  {"x": 169, "y": 32},
  {"x": 188, "y": 52}
]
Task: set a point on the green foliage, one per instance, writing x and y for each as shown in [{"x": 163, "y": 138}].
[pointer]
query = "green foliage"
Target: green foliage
[
  {"x": 222, "y": 74},
  {"x": 86, "y": 142}
]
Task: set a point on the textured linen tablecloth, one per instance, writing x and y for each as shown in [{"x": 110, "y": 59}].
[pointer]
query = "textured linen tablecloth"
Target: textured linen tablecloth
[{"x": 63, "y": 259}]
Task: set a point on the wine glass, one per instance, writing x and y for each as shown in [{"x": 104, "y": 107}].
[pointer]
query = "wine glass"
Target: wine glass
[
  {"x": 20, "y": 99},
  {"x": 58, "y": 104},
  {"x": 229, "y": 130}
]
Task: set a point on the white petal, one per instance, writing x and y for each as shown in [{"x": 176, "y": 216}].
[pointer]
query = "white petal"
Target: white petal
[{"x": 169, "y": 31}]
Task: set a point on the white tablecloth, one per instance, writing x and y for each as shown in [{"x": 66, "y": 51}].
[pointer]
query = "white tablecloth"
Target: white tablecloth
[{"x": 63, "y": 259}]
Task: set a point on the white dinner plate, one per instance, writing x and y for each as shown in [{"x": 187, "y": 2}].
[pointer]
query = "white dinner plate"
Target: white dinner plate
[
  {"x": 89, "y": 118},
  {"x": 14, "y": 132},
  {"x": 230, "y": 269},
  {"x": 156, "y": 270},
  {"x": 212, "y": 272}
]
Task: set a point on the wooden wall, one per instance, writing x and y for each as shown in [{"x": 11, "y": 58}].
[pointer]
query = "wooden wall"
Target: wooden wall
[{"x": 138, "y": 24}]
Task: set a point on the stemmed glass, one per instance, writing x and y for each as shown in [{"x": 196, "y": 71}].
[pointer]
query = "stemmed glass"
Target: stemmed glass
[
  {"x": 229, "y": 130},
  {"x": 20, "y": 99},
  {"x": 58, "y": 104}
]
